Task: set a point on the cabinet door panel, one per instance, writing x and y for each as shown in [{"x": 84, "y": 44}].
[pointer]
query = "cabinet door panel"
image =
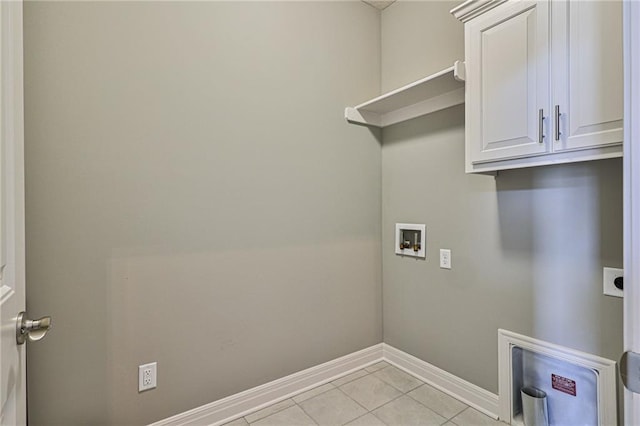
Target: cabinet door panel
[
  {"x": 507, "y": 83},
  {"x": 587, "y": 79}
]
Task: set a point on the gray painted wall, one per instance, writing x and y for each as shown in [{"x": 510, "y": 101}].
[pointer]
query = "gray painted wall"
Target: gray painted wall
[
  {"x": 528, "y": 246},
  {"x": 195, "y": 198}
]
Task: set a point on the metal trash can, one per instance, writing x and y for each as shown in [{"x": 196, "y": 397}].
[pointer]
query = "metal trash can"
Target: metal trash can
[{"x": 534, "y": 407}]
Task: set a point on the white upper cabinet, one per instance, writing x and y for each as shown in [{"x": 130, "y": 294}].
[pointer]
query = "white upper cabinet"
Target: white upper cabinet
[
  {"x": 544, "y": 82},
  {"x": 587, "y": 73},
  {"x": 507, "y": 65}
]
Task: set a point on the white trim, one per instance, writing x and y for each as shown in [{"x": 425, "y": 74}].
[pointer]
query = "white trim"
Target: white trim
[
  {"x": 243, "y": 403},
  {"x": 631, "y": 194},
  {"x": 472, "y": 395},
  {"x": 472, "y": 8},
  {"x": 5, "y": 293},
  {"x": 12, "y": 267},
  {"x": 605, "y": 368}
]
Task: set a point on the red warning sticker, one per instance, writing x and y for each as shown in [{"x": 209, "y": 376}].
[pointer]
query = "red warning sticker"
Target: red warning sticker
[{"x": 563, "y": 384}]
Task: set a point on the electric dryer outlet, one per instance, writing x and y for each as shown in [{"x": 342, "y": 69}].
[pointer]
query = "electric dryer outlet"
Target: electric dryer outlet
[{"x": 609, "y": 287}]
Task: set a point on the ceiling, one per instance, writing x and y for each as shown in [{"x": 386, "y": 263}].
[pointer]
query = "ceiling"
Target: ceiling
[{"x": 379, "y": 4}]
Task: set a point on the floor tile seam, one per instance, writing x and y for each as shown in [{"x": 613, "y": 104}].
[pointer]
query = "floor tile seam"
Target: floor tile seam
[
  {"x": 384, "y": 381},
  {"x": 353, "y": 399},
  {"x": 441, "y": 415},
  {"x": 467, "y": 407},
  {"x": 368, "y": 412},
  {"x": 387, "y": 364},
  {"x": 409, "y": 372},
  {"x": 374, "y": 414},
  {"x": 451, "y": 419},
  {"x": 388, "y": 384},
  {"x": 382, "y": 360},
  {"x": 270, "y": 414},
  {"x": 434, "y": 411},
  {"x": 386, "y": 403},
  {"x": 459, "y": 412},
  {"x": 295, "y": 403},
  {"x": 321, "y": 393},
  {"x": 305, "y": 411},
  {"x": 352, "y": 380},
  {"x": 398, "y": 389}
]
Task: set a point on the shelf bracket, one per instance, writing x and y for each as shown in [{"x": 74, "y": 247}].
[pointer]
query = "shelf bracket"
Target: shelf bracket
[{"x": 459, "y": 71}]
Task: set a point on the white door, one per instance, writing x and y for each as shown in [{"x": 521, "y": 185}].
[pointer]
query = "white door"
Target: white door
[
  {"x": 586, "y": 61},
  {"x": 12, "y": 275},
  {"x": 508, "y": 82},
  {"x": 631, "y": 197}
]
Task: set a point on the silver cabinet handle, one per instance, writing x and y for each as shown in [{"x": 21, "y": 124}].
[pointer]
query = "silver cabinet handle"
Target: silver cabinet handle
[
  {"x": 540, "y": 126},
  {"x": 33, "y": 329},
  {"x": 557, "y": 122}
]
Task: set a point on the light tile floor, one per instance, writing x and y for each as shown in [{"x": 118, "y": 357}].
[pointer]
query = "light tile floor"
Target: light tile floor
[{"x": 378, "y": 395}]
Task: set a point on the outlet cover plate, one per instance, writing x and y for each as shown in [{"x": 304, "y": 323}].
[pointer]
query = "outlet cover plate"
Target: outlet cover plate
[
  {"x": 147, "y": 376},
  {"x": 608, "y": 287},
  {"x": 445, "y": 258}
]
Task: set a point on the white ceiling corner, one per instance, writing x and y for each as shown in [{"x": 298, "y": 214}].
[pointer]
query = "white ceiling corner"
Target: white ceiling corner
[{"x": 379, "y": 4}]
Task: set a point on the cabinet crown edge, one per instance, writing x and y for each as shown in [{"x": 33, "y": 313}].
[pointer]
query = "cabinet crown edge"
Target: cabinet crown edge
[{"x": 472, "y": 8}]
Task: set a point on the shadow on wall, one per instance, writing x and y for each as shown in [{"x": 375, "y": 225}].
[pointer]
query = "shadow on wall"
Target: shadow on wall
[
  {"x": 425, "y": 127},
  {"x": 567, "y": 221}
]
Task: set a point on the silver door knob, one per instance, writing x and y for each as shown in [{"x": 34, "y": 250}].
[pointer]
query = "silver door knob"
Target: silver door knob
[{"x": 34, "y": 329}]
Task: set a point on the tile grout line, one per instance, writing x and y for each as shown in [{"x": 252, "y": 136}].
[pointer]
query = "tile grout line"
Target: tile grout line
[
  {"x": 451, "y": 419},
  {"x": 386, "y": 403},
  {"x": 434, "y": 411},
  {"x": 400, "y": 390},
  {"x": 305, "y": 411},
  {"x": 321, "y": 393},
  {"x": 367, "y": 411},
  {"x": 271, "y": 414},
  {"x": 392, "y": 400},
  {"x": 352, "y": 380},
  {"x": 359, "y": 417},
  {"x": 295, "y": 403},
  {"x": 365, "y": 408},
  {"x": 345, "y": 394},
  {"x": 460, "y": 412}
]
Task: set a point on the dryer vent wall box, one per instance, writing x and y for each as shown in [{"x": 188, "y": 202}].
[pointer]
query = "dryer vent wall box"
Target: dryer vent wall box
[{"x": 411, "y": 239}]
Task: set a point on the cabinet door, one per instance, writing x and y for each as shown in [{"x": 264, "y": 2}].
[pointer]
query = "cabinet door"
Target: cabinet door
[
  {"x": 587, "y": 77},
  {"x": 508, "y": 82}
]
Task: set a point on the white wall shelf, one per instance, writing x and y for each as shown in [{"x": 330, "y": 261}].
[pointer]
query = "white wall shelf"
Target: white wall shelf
[{"x": 438, "y": 91}]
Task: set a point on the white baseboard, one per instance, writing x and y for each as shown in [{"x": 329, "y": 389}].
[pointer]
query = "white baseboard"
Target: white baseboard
[
  {"x": 472, "y": 395},
  {"x": 243, "y": 403}
]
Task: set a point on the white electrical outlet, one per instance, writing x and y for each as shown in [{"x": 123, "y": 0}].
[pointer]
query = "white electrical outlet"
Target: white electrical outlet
[
  {"x": 147, "y": 376},
  {"x": 445, "y": 258},
  {"x": 609, "y": 276}
]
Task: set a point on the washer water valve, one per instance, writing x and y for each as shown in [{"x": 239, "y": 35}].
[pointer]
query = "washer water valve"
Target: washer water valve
[{"x": 410, "y": 239}]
